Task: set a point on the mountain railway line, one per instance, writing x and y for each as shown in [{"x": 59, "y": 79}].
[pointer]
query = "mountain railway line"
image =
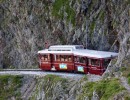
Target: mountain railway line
[
  {"x": 41, "y": 73},
  {"x": 38, "y": 72}
]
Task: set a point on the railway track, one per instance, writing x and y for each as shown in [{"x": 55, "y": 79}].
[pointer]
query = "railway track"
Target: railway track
[
  {"x": 20, "y": 70},
  {"x": 41, "y": 73}
]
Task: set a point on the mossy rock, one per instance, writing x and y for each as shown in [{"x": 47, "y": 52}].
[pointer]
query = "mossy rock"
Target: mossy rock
[
  {"x": 105, "y": 89},
  {"x": 9, "y": 85},
  {"x": 61, "y": 6}
]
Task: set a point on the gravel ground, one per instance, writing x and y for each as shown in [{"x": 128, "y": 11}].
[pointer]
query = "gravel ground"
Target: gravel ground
[
  {"x": 42, "y": 73},
  {"x": 62, "y": 74}
]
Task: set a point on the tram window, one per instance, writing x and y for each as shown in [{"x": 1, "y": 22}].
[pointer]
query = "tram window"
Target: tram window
[
  {"x": 89, "y": 61},
  {"x": 58, "y": 57},
  {"x": 69, "y": 58},
  {"x": 42, "y": 58},
  {"x": 55, "y": 58},
  {"x": 45, "y": 57},
  {"x": 62, "y": 58},
  {"x": 48, "y": 57},
  {"x": 75, "y": 59},
  {"x": 80, "y": 59},
  {"x": 94, "y": 62},
  {"x": 106, "y": 62},
  {"x": 65, "y": 58}
]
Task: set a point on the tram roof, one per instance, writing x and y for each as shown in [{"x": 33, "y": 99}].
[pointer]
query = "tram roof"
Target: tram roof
[
  {"x": 95, "y": 53},
  {"x": 83, "y": 52},
  {"x": 47, "y": 51},
  {"x": 65, "y": 47}
]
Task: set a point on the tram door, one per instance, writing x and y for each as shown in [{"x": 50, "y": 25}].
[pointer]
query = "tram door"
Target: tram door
[{"x": 52, "y": 62}]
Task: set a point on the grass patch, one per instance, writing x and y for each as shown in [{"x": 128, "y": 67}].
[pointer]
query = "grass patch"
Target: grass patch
[
  {"x": 9, "y": 85},
  {"x": 125, "y": 71},
  {"x": 54, "y": 78},
  {"x": 85, "y": 78},
  {"x": 105, "y": 89}
]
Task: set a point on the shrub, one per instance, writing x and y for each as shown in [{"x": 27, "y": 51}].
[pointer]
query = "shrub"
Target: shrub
[{"x": 129, "y": 80}]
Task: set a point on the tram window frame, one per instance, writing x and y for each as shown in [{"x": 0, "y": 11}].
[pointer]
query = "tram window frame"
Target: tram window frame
[
  {"x": 82, "y": 60},
  {"x": 66, "y": 58},
  {"x": 78, "y": 59},
  {"x": 57, "y": 58},
  {"x": 106, "y": 63},
  {"x": 69, "y": 58},
  {"x": 45, "y": 57},
  {"x": 63, "y": 58},
  {"x": 93, "y": 62}
]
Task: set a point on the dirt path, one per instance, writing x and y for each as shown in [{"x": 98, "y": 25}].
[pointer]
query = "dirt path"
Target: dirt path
[{"x": 125, "y": 83}]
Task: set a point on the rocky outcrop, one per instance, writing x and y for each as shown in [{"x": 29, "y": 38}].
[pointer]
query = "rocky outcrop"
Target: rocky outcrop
[
  {"x": 53, "y": 87},
  {"x": 27, "y": 25}
]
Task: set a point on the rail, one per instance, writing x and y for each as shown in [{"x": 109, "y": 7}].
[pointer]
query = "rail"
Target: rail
[
  {"x": 40, "y": 73},
  {"x": 20, "y": 70}
]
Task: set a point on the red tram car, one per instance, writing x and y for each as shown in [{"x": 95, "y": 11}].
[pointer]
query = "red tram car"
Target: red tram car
[{"x": 74, "y": 58}]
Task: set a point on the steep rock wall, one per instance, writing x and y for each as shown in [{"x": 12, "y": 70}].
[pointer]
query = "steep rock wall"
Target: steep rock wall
[
  {"x": 26, "y": 25},
  {"x": 53, "y": 87}
]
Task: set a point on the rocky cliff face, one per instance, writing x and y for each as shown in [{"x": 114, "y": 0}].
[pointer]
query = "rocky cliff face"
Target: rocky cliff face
[
  {"x": 26, "y": 25},
  {"x": 51, "y": 87}
]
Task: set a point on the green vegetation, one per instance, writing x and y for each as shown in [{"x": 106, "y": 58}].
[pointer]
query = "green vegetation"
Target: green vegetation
[
  {"x": 9, "y": 85},
  {"x": 52, "y": 81},
  {"x": 105, "y": 89},
  {"x": 127, "y": 97},
  {"x": 54, "y": 86},
  {"x": 62, "y": 40},
  {"x": 92, "y": 5},
  {"x": 60, "y": 7},
  {"x": 129, "y": 80},
  {"x": 126, "y": 72},
  {"x": 85, "y": 78},
  {"x": 128, "y": 1},
  {"x": 92, "y": 26},
  {"x": 123, "y": 69},
  {"x": 101, "y": 15},
  {"x": 1, "y": 1},
  {"x": 49, "y": 84}
]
